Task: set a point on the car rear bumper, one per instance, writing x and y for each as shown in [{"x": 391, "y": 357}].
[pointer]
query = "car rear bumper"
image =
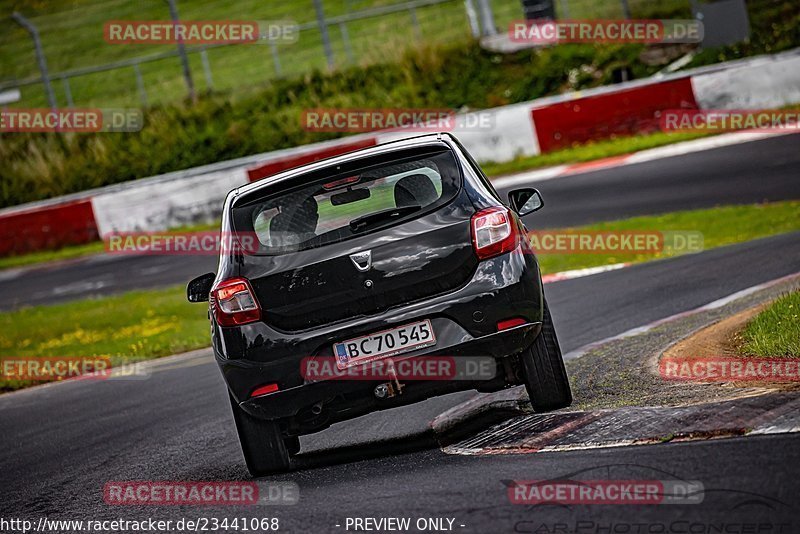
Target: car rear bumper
[
  {"x": 464, "y": 321},
  {"x": 338, "y": 399}
]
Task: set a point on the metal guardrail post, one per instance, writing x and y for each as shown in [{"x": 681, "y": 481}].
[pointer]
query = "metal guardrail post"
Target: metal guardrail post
[
  {"x": 207, "y": 69},
  {"x": 487, "y": 17},
  {"x": 140, "y": 85},
  {"x": 276, "y": 60},
  {"x": 37, "y": 44},
  {"x": 346, "y": 40},
  {"x": 67, "y": 92},
  {"x": 626, "y": 9},
  {"x": 472, "y": 17},
  {"x": 564, "y": 10},
  {"x": 415, "y": 23},
  {"x": 323, "y": 30},
  {"x": 187, "y": 73}
]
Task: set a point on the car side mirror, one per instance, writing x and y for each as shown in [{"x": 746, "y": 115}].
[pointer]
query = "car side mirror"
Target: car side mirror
[
  {"x": 199, "y": 289},
  {"x": 525, "y": 201}
]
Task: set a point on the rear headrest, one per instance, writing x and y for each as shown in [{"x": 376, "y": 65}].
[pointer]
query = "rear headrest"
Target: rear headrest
[
  {"x": 295, "y": 222},
  {"x": 414, "y": 190}
]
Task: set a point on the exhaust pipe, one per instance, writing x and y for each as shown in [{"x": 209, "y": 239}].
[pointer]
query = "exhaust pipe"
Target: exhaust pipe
[
  {"x": 317, "y": 408},
  {"x": 388, "y": 390},
  {"x": 382, "y": 391}
]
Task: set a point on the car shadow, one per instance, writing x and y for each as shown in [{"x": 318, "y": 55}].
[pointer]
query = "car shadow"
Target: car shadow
[{"x": 366, "y": 451}]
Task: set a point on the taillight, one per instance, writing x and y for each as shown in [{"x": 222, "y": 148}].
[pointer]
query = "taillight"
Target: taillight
[
  {"x": 510, "y": 323},
  {"x": 494, "y": 232},
  {"x": 234, "y": 303},
  {"x": 265, "y": 390}
]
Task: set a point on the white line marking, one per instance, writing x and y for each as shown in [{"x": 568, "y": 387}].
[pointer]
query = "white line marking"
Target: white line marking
[
  {"x": 580, "y": 273},
  {"x": 650, "y": 154},
  {"x": 536, "y": 175},
  {"x": 700, "y": 145},
  {"x": 577, "y": 353}
]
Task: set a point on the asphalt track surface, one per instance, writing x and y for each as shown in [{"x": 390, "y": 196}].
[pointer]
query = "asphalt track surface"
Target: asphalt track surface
[
  {"x": 764, "y": 170},
  {"x": 60, "y": 444}
]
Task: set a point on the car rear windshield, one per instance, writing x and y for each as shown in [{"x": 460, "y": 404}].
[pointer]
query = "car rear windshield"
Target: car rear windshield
[{"x": 348, "y": 200}]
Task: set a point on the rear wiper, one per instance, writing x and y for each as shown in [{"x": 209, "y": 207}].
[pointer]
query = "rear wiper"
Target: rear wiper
[{"x": 365, "y": 221}]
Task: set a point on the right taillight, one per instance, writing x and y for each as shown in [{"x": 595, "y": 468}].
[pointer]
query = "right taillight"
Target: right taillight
[
  {"x": 494, "y": 232},
  {"x": 234, "y": 303}
]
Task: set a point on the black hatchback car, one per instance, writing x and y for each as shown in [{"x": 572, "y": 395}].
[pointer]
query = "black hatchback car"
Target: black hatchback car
[{"x": 403, "y": 251}]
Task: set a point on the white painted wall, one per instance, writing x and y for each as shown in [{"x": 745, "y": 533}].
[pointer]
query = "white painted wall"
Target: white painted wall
[
  {"x": 766, "y": 83},
  {"x": 169, "y": 204}
]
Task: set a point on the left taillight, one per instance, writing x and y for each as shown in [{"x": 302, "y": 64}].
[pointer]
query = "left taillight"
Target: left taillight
[
  {"x": 234, "y": 303},
  {"x": 494, "y": 232}
]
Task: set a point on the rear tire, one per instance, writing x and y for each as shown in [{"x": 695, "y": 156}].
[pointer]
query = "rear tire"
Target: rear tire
[
  {"x": 263, "y": 445},
  {"x": 543, "y": 370}
]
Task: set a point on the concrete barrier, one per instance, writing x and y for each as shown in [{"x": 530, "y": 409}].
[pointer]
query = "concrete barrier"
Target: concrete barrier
[
  {"x": 763, "y": 84},
  {"x": 617, "y": 113},
  {"x": 48, "y": 227}
]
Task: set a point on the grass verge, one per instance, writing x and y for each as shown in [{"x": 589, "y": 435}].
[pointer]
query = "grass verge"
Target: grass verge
[
  {"x": 719, "y": 227},
  {"x": 127, "y": 328},
  {"x": 46, "y": 256},
  {"x": 79, "y": 251},
  {"x": 774, "y": 332}
]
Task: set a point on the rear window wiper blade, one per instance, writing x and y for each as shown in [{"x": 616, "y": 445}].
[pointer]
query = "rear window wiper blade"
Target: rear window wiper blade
[{"x": 365, "y": 221}]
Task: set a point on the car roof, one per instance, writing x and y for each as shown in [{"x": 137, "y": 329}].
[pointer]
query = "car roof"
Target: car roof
[{"x": 391, "y": 146}]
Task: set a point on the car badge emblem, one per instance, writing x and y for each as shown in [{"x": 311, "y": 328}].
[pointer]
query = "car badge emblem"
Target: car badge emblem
[{"x": 362, "y": 260}]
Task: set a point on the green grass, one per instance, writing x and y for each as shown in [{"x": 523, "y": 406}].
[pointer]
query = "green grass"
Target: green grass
[
  {"x": 80, "y": 251},
  {"x": 45, "y": 256},
  {"x": 132, "y": 327},
  {"x": 72, "y": 37},
  {"x": 720, "y": 226},
  {"x": 775, "y": 332}
]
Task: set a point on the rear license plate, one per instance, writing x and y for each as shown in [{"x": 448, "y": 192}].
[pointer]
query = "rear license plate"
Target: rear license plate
[{"x": 385, "y": 343}]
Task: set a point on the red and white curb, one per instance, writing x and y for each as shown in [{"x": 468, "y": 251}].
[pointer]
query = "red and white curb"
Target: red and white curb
[
  {"x": 580, "y": 273},
  {"x": 599, "y": 429},
  {"x": 775, "y": 413}
]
